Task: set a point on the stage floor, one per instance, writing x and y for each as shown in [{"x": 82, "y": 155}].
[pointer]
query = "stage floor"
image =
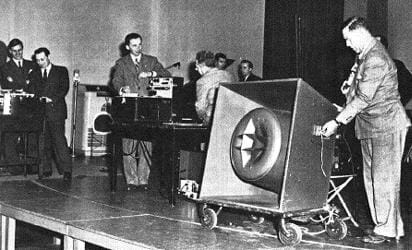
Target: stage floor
[{"x": 144, "y": 220}]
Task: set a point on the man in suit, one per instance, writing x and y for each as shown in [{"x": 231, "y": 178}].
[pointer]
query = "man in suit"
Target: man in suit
[
  {"x": 245, "y": 70},
  {"x": 381, "y": 124},
  {"x": 131, "y": 74},
  {"x": 14, "y": 76},
  {"x": 15, "y": 72},
  {"x": 51, "y": 83}
]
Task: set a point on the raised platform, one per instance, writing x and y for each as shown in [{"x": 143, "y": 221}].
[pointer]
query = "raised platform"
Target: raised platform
[{"x": 86, "y": 212}]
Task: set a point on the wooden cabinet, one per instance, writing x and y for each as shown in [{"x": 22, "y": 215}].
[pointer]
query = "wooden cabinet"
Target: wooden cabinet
[{"x": 301, "y": 39}]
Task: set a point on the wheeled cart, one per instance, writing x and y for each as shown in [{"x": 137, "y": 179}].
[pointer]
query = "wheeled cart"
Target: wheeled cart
[
  {"x": 266, "y": 156},
  {"x": 288, "y": 232}
]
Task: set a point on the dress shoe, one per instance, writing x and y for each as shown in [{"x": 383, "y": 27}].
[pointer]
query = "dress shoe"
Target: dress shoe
[
  {"x": 376, "y": 238},
  {"x": 132, "y": 187},
  {"x": 67, "y": 176}
]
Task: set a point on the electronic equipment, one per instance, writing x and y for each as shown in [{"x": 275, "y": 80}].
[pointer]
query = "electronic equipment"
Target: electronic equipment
[
  {"x": 164, "y": 86},
  {"x": 166, "y": 103},
  {"x": 18, "y": 104}
]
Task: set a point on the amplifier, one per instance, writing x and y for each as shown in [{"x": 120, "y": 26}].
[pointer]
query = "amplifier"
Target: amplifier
[
  {"x": 165, "y": 87},
  {"x": 151, "y": 109}
]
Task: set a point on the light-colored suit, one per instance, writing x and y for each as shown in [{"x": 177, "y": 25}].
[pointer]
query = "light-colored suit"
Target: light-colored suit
[
  {"x": 205, "y": 92},
  {"x": 381, "y": 125}
]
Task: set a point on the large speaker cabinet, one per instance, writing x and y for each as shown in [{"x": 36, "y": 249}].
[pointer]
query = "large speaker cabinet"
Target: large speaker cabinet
[{"x": 301, "y": 160}]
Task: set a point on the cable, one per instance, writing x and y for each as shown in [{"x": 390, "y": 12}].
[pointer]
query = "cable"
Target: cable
[{"x": 321, "y": 156}]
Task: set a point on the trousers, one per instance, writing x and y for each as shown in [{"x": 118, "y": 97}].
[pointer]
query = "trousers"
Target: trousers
[
  {"x": 137, "y": 160},
  {"x": 382, "y": 158}
]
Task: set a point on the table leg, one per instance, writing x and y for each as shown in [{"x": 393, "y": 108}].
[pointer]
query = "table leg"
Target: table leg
[
  {"x": 175, "y": 168},
  {"x": 73, "y": 244},
  {"x": 26, "y": 151},
  {"x": 8, "y": 233},
  {"x": 114, "y": 163}
]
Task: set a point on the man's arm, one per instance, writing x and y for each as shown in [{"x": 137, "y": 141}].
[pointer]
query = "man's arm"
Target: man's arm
[
  {"x": 371, "y": 79},
  {"x": 63, "y": 85},
  {"x": 160, "y": 70},
  {"x": 118, "y": 77}
]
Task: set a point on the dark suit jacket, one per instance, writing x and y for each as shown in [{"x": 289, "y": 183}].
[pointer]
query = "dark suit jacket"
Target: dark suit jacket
[
  {"x": 252, "y": 78},
  {"x": 14, "y": 78},
  {"x": 405, "y": 81},
  {"x": 126, "y": 73},
  {"x": 55, "y": 88}
]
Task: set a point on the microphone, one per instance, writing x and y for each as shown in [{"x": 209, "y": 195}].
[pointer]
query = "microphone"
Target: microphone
[{"x": 76, "y": 76}]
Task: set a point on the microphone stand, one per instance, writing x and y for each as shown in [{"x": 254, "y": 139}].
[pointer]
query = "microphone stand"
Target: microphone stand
[
  {"x": 177, "y": 65},
  {"x": 74, "y": 112}
]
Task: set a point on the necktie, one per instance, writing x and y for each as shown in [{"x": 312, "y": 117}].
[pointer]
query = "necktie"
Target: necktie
[
  {"x": 20, "y": 66},
  {"x": 136, "y": 63},
  {"x": 45, "y": 75}
]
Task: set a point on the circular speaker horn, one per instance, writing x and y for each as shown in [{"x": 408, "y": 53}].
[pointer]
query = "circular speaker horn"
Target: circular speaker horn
[
  {"x": 255, "y": 145},
  {"x": 102, "y": 123}
]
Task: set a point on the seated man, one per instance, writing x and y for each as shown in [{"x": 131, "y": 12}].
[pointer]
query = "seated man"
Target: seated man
[
  {"x": 220, "y": 61},
  {"x": 206, "y": 86},
  {"x": 245, "y": 72}
]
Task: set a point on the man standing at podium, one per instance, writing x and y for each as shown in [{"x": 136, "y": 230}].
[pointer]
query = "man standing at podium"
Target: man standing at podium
[{"x": 131, "y": 74}]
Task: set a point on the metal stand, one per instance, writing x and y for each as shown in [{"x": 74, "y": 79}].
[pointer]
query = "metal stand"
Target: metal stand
[
  {"x": 76, "y": 82},
  {"x": 335, "y": 191}
]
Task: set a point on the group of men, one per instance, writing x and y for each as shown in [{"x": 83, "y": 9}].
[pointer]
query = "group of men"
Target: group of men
[
  {"x": 372, "y": 99},
  {"x": 49, "y": 83},
  {"x": 245, "y": 67},
  {"x": 131, "y": 74}
]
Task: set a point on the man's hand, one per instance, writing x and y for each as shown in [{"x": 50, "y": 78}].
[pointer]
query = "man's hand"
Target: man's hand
[
  {"x": 146, "y": 74},
  {"x": 124, "y": 89},
  {"x": 47, "y": 99},
  {"x": 329, "y": 128}
]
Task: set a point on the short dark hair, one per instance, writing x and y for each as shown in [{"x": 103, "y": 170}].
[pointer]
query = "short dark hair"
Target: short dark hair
[
  {"x": 131, "y": 36},
  {"x": 42, "y": 49},
  {"x": 249, "y": 63},
  {"x": 15, "y": 42},
  {"x": 220, "y": 55},
  {"x": 354, "y": 23},
  {"x": 207, "y": 57}
]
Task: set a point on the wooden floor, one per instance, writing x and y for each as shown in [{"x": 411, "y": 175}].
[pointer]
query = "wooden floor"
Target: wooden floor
[{"x": 87, "y": 211}]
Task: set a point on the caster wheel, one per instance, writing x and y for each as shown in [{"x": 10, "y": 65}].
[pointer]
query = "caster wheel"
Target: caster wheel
[
  {"x": 256, "y": 219},
  {"x": 337, "y": 229},
  {"x": 292, "y": 236},
  {"x": 209, "y": 218}
]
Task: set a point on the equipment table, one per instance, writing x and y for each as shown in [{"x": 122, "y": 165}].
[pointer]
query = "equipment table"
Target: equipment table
[
  {"x": 24, "y": 125},
  {"x": 172, "y": 136}
]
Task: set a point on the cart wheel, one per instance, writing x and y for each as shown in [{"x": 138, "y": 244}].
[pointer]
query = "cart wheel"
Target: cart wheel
[
  {"x": 209, "y": 218},
  {"x": 337, "y": 229},
  {"x": 256, "y": 219},
  {"x": 292, "y": 236}
]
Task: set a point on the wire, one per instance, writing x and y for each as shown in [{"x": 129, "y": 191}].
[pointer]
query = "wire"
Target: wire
[{"x": 321, "y": 156}]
